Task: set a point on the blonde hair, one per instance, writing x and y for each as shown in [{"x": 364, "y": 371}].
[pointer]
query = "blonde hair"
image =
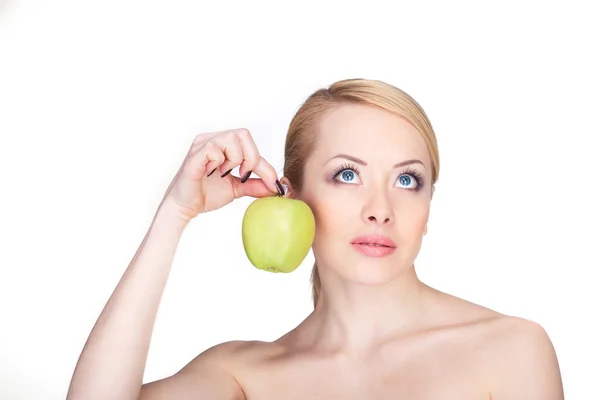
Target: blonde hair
[{"x": 301, "y": 137}]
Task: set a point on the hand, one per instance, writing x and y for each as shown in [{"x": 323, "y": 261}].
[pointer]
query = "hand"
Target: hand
[{"x": 204, "y": 183}]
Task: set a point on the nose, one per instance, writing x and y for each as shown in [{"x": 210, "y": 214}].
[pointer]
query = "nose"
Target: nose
[{"x": 378, "y": 210}]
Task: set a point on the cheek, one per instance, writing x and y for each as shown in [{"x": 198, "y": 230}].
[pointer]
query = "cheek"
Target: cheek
[
  {"x": 330, "y": 216},
  {"x": 413, "y": 220}
]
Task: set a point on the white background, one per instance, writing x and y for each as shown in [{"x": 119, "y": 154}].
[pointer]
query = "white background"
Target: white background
[{"x": 99, "y": 102}]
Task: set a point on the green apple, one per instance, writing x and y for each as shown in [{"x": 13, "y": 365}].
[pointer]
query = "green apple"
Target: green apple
[{"x": 277, "y": 233}]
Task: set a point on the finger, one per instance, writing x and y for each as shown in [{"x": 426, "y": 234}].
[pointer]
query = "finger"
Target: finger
[
  {"x": 238, "y": 147},
  {"x": 202, "y": 138},
  {"x": 206, "y": 158},
  {"x": 254, "y": 187},
  {"x": 230, "y": 152},
  {"x": 267, "y": 173},
  {"x": 250, "y": 151},
  {"x": 233, "y": 158}
]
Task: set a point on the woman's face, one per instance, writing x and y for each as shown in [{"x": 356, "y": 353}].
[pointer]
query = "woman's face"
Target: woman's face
[{"x": 370, "y": 174}]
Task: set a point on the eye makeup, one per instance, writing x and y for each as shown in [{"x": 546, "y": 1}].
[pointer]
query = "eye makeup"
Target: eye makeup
[{"x": 408, "y": 175}]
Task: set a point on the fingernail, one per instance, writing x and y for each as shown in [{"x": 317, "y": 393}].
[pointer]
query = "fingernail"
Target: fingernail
[
  {"x": 226, "y": 173},
  {"x": 280, "y": 188},
  {"x": 246, "y": 176},
  {"x": 211, "y": 172}
]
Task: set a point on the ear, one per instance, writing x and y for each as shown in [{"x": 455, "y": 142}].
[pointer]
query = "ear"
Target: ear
[
  {"x": 425, "y": 232},
  {"x": 290, "y": 192},
  {"x": 432, "y": 190}
]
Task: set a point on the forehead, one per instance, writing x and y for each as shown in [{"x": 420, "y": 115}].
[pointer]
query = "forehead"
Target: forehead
[{"x": 370, "y": 133}]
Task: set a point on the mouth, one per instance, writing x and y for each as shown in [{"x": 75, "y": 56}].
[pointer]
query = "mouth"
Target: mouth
[
  {"x": 374, "y": 246},
  {"x": 374, "y": 241}
]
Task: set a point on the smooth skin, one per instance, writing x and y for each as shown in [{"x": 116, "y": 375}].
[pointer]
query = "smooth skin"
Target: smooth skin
[{"x": 377, "y": 332}]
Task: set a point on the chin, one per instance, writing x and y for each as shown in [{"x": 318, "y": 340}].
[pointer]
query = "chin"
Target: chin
[
  {"x": 373, "y": 276},
  {"x": 372, "y": 272}
]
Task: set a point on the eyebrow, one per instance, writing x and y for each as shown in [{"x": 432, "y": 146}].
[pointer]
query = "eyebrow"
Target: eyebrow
[{"x": 359, "y": 161}]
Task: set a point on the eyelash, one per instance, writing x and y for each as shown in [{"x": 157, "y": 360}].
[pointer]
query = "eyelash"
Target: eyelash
[{"x": 407, "y": 171}]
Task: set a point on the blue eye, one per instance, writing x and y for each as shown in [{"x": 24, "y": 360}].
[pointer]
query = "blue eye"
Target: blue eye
[
  {"x": 346, "y": 174},
  {"x": 406, "y": 180},
  {"x": 411, "y": 179}
]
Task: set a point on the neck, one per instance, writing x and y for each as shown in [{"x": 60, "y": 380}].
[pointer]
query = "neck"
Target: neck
[{"x": 352, "y": 317}]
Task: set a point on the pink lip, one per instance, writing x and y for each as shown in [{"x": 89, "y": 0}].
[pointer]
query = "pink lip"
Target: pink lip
[{"x": 374, "y": 245}]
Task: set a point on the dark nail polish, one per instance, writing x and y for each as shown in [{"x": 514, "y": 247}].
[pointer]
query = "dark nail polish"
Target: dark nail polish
[
  {"x": 211, "y": 172},
  {"x": 246, "y": 176},
  {"x": 279, "y": 188},
  {"x": 226, "y": 173}
]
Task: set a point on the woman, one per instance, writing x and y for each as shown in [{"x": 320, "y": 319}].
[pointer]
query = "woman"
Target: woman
[{"x": 363, "y": 155}]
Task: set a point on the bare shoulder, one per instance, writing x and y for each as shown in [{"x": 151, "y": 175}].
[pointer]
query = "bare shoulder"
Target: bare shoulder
[
  {"x": 234, "y": 356},
  {"x": 211, "y": 374},
  {"x": 516, "y": 354},
  {"x": 522, "y": 360}
]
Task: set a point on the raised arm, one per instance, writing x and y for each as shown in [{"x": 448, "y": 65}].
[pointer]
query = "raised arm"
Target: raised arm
[{"x": 112, "y": 363}]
